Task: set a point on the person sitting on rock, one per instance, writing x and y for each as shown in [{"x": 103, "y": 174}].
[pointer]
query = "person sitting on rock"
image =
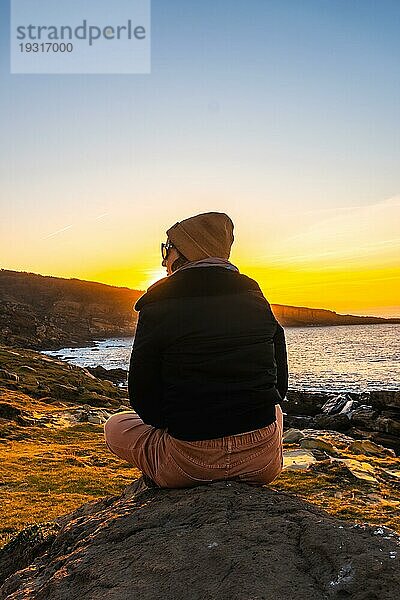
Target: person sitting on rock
[{"x": 208, "y": 369}]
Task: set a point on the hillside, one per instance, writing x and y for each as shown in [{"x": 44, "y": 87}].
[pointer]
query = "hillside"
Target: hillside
[
  {"x": 50, "y": 312},
  {"x": 43, "y": 312},
  {"x": 300, "y": 316}
]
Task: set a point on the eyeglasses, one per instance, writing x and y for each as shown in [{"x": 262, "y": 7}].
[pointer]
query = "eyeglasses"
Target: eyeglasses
[{"x": 165, "y": 249}]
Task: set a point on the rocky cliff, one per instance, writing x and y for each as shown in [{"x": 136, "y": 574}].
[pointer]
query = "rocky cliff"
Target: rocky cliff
[
  {"x": 225, "y": 540},
  {"x": 300, "y": 316},
  {"x": 50, "y": 312}
]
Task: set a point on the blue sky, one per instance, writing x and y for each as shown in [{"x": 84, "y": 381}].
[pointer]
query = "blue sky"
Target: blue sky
[{"x": 277, "y": 112}]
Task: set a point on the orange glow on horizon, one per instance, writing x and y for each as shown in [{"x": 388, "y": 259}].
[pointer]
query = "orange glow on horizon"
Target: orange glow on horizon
[
  {"x": 363, "y": 291},
  {"x": 346, "y": 261}
]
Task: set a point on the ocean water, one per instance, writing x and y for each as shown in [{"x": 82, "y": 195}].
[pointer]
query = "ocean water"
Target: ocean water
[{"x": 342, "y": 358}]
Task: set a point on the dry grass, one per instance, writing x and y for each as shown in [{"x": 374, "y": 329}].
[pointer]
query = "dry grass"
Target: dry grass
[
  {"x": 48, "y": 473},
  {"x": 345, "y": 497}
]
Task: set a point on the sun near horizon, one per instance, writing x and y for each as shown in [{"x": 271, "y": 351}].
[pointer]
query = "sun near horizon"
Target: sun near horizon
[
  {"x": 341, "y": 259},
  {"x": 346, "y": 261}
]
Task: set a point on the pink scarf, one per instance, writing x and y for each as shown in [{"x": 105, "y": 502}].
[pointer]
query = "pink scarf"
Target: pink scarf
[{"x": 211, "y": 261}]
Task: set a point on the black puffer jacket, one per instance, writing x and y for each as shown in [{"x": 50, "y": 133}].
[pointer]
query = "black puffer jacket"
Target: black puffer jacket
[{"x": 209, "y": 358}]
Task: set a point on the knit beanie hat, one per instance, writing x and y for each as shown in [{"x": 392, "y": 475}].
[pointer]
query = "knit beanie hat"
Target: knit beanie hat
[{"x": 204, "y": 235}]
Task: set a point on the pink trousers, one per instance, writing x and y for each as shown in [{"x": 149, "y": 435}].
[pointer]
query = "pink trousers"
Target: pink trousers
[{"x": 253, "y": 457}]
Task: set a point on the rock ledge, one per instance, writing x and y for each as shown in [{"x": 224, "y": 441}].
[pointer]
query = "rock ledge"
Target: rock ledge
[{"x": 227, "y": 540}]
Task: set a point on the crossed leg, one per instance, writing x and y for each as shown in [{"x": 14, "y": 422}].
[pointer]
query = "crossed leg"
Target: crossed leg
[{"x": 141, "y": 445}]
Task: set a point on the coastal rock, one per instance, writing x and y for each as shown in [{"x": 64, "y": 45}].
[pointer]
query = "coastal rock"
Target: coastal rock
[
  {"x": 387, "y": 440},
  {"x": 297, "y": 422},
  {"x": 43, "y": 389},
  {"x": 369, "y": 448},
  {"x": 337, "y": 422},
  {"x": 359, "y": 469},
  {"x": 113, "y": 375},
  {"x": 84, "y": 370},
  {"x": 64, "y": 392},
  {"x": 87, "y": 414},
  {"x": 386, "y": 425},
  {"x": 81, "y": 416},
  {"x": 383, "y": 439},
  {"x": 385, "y": 399},
  {"x": 227, "y": 540},
  {"x": 291, "y": 436},
  {"x": 4, "y": 374},
  {"x": 27, "y": 368},
  {"x": 391, "y": 414},
  {"x": 350, "y": 406},
  {"x": 364, "y": 417},
  {"x": 292, "y": 316},
  {"x": 50, "y": 312},
  {"x": 337, "y": 439},
  {"x": 319, "y": 444},
  {"x": 373, "y": 415},
  {"x": 8, "y": 411},
  {"x": 302, "y": 403},
  {"x": 342, "y": 469},
  {"x": 96, "y": 419},
  {"x": 335, "y": 405},
  {"x": 97, "y": 400},
  {"x": 293, "y": 460}
]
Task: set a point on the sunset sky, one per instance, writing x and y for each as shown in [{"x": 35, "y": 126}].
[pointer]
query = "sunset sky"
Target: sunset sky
[{"x": 285, "y": 114}]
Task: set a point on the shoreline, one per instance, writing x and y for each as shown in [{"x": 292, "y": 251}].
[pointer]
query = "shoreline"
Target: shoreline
[
  {"x": 293, "y": 389},
  {"x": 93, "y": 341},
  {"x": 372, "y": 414}
]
